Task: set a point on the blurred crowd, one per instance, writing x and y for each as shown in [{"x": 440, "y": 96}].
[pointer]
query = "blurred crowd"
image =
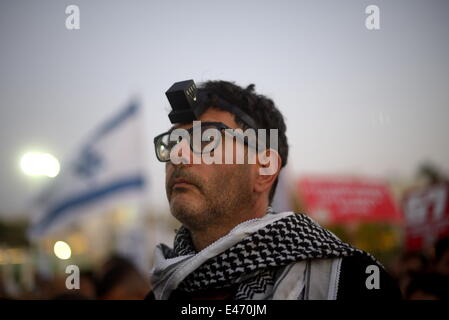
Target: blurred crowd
[
  {"x": 116, "y": 279},
  {"x": 424, "y": 275},
  {"x": 420, "y": 276}
]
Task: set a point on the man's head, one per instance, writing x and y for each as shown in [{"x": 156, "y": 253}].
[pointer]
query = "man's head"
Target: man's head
[{"x": 203, "y": 194}]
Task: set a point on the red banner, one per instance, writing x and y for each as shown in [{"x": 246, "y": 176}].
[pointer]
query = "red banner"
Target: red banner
[
  {"x": 426, "y": 212},
  {"x": 344, "y": 199}
]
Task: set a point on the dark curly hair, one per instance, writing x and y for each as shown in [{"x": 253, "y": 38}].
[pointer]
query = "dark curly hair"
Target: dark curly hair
[{"x": 261, "y": 108}]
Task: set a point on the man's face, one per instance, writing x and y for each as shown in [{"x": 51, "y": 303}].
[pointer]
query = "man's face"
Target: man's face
[{"x": 204, "y": 194}]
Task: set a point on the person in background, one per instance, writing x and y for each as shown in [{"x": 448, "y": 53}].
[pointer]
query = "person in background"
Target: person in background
[
  {"x": 408, "y": 265},
  {"x": 428, "y": 286},
  {"x": 119, "y": 279},
  {"x": 441, "y": 257}
]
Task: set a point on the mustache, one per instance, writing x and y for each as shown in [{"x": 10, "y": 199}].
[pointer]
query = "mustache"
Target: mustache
[{"x": 181, "y": 173}]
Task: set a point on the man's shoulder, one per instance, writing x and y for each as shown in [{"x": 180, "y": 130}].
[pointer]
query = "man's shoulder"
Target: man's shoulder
[{"x": 361, "y": 277}]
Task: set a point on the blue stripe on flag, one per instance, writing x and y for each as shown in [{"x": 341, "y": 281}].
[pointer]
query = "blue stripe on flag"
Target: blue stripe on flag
[
  {"x": 116, "y": 121},
  {"x": 86, "y": 198}
]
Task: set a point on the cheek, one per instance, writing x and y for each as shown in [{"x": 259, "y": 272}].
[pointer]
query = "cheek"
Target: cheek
[
  {"x": 240, "y": 175},
  {"x": 213, "y": 177},
  {"x": 167, "y": 172}
]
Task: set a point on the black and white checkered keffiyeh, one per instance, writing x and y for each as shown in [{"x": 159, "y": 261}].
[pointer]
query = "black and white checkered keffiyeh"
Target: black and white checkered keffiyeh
[{"x": 251, "y": 263}]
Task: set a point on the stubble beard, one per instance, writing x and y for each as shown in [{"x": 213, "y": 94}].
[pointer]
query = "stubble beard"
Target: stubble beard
[{"x": 220, "y": 201}]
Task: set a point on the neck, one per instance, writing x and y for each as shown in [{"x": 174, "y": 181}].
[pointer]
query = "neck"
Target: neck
[{"x": 203, "y": 237}]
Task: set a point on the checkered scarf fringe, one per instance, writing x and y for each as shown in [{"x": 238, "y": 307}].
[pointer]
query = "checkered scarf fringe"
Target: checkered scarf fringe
[{"x": 251, "y": 264}]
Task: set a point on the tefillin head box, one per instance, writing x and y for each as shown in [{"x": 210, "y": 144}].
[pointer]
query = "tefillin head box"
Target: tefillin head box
[{"x": 184, "y": 102}]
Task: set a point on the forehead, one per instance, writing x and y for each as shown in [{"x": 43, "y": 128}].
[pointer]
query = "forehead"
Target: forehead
[{"x": 212, "y": 115}]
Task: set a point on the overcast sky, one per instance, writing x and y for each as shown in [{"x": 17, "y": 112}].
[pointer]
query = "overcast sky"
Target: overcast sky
[{"x": 355, "y": 101}]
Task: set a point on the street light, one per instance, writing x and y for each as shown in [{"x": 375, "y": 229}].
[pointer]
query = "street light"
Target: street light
[
  {"x": 62, "y": 250},
  {"x": 39, "y": 164}
]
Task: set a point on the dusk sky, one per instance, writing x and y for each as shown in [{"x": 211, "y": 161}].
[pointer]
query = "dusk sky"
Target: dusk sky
[{"x": 358, "y": 101}]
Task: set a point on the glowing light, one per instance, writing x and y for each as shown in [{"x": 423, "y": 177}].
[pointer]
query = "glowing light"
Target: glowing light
[
  {"x": 62, "y": 250},
  {"x": 39, "y": 164}
]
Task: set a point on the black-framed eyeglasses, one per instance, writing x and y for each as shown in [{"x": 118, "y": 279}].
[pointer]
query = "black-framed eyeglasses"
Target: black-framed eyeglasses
[{"x": 165, "y": 142}]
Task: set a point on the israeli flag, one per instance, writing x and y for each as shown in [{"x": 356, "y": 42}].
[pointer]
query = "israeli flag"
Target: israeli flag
[{"x": 106, "y": 171}]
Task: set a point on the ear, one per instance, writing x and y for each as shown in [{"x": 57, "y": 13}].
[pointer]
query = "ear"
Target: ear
[{"x": 268, "y": 165}]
